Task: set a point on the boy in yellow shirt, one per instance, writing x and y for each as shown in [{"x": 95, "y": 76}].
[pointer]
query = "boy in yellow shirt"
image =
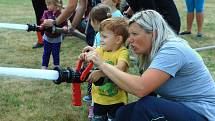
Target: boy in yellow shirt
[{"x": 107, "y": 97}]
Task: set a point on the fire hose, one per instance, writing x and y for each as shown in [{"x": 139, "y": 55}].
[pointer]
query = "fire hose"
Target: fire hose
[
  {"x": 33, "y": 27},
  {"x": 58, "y": 75},
  {"x": 29, "y": 27}
]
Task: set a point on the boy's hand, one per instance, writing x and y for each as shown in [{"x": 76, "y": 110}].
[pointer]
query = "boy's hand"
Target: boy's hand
[
  {"x": 82, "y": 56},
  {"x": 94, "y": 56},
  {"x": 88, "y": 48}
]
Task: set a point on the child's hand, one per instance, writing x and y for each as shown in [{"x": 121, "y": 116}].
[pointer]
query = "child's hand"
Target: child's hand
[
  {"x": 88, "y": 48},
  {"x": 82, "y": 56},
  {"x": 47, "y": 22},
  {"x": 65, "y": 28},
  {"x": 95, "y": 76},
  {"x": 94, "y": 56}
]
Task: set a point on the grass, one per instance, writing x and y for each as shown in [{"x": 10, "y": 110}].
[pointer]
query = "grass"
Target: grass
[{"x": 39, "y": 100}]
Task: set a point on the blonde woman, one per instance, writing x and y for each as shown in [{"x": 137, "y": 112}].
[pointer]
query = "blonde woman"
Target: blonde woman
[{"x": 170, "y": 68}]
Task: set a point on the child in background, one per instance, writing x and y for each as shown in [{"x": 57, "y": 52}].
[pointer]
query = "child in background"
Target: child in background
[
  {"x": 107, "y": 97},
  {"x": 39, "y": 7},
  {"x": 52, "y": 41},
  {"x": 115, "y": 6},
  {"x": 115, "y": 12}
]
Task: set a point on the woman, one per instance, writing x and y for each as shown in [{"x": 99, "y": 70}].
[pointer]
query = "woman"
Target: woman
[{"x": 170, "y": 68}]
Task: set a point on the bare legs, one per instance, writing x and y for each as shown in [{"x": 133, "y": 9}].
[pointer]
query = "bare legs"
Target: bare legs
[
  {"x": 190, "y": 17},
  {"x": 199, "y": 20}
]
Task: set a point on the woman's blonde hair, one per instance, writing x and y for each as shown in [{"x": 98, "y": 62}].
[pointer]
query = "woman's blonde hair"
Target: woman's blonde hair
[{"x": 151, "y": 21}]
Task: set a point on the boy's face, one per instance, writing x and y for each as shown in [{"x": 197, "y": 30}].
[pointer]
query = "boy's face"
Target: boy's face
[{"x": 108, "y": 40}]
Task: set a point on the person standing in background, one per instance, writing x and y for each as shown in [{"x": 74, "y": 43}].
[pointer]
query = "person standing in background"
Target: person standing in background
[
  {"x": 166, "y": 8},
  {"x": 39, "y": 7},
  {"x": 198, "y": 5}
]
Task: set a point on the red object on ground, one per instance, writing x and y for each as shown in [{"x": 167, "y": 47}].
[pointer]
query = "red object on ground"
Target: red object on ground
[{"x": 76, "y": 87}]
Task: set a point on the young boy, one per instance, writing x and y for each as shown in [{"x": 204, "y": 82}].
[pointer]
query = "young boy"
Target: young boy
[
  {"x": 107, "y": 97},
  {"x": 100, "y": 12},
  {"x": 52, "y": 41}
]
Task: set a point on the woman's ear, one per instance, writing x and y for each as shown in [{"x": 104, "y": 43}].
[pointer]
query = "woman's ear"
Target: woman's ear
[{"x": 154, "y": 35}]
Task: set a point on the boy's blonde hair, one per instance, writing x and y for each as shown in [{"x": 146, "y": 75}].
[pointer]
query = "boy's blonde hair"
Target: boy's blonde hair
[
  {"x": 118, "y": 25},
  {"x": 58, "y": 3},
  {"x": 100, "y": 12}
]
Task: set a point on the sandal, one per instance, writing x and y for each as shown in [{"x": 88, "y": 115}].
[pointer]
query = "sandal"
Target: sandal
[
  {"x": 185, "y": 32},
  {"x": 199, "y": 35}
]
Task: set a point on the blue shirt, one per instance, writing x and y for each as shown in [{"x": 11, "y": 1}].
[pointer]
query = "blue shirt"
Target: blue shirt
[
  {"x": 97, "y": 40},
  {"x": 191, "y": 83}
]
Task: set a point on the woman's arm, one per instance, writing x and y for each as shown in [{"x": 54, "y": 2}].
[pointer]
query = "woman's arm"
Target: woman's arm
[
  {"x": 67, "y": 12},
  {"x": 136, "y": 85},
  {"x": 82, "y": 6},
  {"x": 97, "y": 74}
]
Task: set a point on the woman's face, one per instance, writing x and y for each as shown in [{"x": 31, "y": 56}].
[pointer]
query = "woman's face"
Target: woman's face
[{"x": 139, "y": 40}]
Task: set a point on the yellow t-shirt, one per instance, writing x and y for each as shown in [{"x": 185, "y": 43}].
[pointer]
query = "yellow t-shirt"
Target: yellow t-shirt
[{"x": 116, "y": 94}]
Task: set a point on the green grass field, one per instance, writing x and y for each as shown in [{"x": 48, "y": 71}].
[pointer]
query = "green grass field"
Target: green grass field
[{"x": 40, "y": 100}]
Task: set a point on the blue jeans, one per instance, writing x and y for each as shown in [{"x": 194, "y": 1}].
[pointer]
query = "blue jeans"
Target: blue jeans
[
  {"x": 152, "y": 108},
  {"x": 51, "y": 48}
]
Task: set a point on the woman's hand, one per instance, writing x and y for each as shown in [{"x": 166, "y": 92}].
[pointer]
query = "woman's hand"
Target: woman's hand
[
  {"x": 94, "y": 56},
  {"x": 95, "y": 76}
]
